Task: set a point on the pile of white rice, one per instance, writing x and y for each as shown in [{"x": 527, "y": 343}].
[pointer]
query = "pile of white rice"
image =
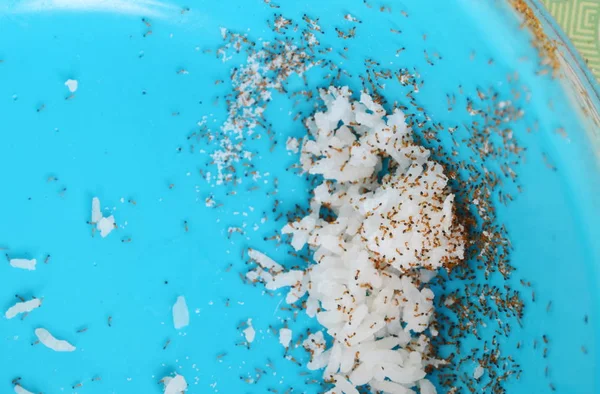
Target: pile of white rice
[{"x": 380, "y": 242}]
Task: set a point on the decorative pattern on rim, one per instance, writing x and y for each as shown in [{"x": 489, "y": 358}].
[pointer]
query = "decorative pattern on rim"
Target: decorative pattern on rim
[{"x": 580, "y": 19}]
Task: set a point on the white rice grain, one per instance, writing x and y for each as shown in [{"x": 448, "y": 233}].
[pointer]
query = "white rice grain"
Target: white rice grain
[
  {"x": 175, "y": 384},
  {"x": 427, "y": 387},
  {"x": 249, "y": 332},
  {"x": 51, "y": 342},
  {"x": 25, "y": 264},
  {"x": 264, "y": 261},
  {"x": 96, "y": 212},
  {"x": 23, "y": 307},
  {"x": 20, "y": 390},
  {"x": 72, "y": 85},
  {"x": 285, "y": 337},
  {"x": 106, "y": 225},
  {"x": 478, "y": 372},
  {"x": 292, "y": 145},
  {"x": 181, "y": 314},
  {"x": 376, "y": 315}
]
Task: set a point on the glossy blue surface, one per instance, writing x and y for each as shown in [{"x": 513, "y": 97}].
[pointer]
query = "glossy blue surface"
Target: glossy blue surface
[{"x": 117, "y": 139}]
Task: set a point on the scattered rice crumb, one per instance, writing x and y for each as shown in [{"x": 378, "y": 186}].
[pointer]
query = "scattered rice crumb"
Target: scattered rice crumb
[
  {"x": 103, "y": 224},
  {"x": 181, "y": 314},
  {"x": 20, "y": 390},
  {"x": 174, "y": 385},
  {"x": 478, "y": 372},
  {"x": 249, "y": 332},
  {"x": 292, "y": 145},
  {"x": 72, "y": 85},
  {"x": 106, "y": 226},
  {"x": 285, "y": 337}
]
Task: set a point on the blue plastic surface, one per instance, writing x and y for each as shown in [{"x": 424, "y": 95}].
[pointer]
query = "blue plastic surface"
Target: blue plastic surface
[{"x": 117, "y": 138}]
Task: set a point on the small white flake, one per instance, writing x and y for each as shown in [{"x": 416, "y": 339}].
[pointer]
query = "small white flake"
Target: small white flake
[
  {"x": 106, "y": 225},
  {"x": 103, "y": 224},
  {"x": 292, "y": 145},
  {"x": 181, "y": 314},
  {"x": 478, "y": 372},
  {"x": 351, "y": 18},
  {"x": 72, "y": 85},
  {"x": 285, "y": 337},
  {"x": 249, "y": 332},
  {"x": 223, "y": 32},
  {"x": 174, "y": 385}
]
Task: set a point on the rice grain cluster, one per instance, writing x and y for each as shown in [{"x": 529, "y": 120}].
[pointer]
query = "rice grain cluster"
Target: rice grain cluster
[{"x": 380, "y": 224}]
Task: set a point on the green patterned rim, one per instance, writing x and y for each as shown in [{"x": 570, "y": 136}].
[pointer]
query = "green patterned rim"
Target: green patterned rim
[
  {"x": 575, "y": 74},
  {"x": 580, "y": 20}
]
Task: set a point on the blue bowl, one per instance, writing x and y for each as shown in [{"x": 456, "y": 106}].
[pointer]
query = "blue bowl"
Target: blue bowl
[{"x": 146, "y": 75}]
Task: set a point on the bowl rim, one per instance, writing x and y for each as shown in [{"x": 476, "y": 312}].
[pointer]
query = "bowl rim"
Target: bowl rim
[{"x": 574, "y": 74}]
